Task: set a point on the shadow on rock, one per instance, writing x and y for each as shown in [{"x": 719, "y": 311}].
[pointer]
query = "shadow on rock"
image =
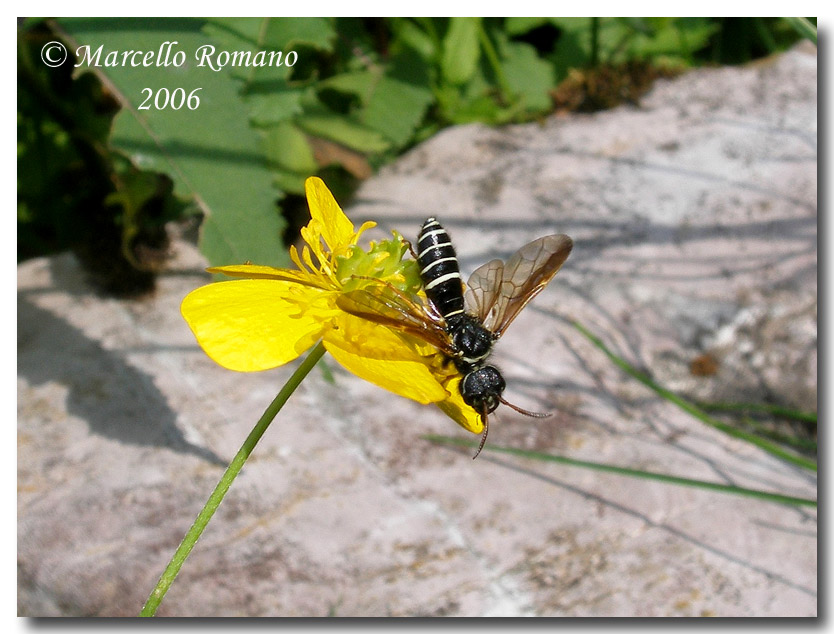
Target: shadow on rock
[{"x": 115, "y": 399}]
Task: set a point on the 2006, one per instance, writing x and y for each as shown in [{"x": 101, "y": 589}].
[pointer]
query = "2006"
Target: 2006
[{"x": 175, "y": 99}]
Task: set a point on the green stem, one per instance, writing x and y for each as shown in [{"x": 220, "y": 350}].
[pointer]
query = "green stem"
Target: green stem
[
  {"x": 222, "y": 487},
  {"x": 695, "y": 411},
  {"x": 634, "y": 473},
  {"x": 495, "y": 63}
]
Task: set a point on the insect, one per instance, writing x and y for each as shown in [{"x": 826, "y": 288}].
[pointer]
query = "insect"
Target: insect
[{"x": 465, "y": 324}]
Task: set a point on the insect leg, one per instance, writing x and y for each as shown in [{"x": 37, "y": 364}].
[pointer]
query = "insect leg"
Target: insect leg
[
  {"x": 410, "y": 248},
  {"x": 405, "y": 298}
]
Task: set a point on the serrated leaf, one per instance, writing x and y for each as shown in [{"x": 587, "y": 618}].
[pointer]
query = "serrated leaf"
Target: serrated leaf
[
  {"x": 234, "y": 33},
  {"x": 389, "y": 105},
  {"x": 247, "y": 35},
  {"x": 395, "y": 108},
  {"x": 285, "y": 32},
  {"x": 275, "y": 33},
  {"x": 275, "y": 106},
  {"x": 342, "y": 130},
  {"x": 359, "y": 83},
  {"x": 210, "y": 152}
]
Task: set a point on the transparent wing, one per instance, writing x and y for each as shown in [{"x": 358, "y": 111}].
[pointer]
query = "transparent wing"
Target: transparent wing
[
  {"x": 525, "y": 275},
  {"x": 482, "y": 289},
  {"x": 385, "y": 305}
]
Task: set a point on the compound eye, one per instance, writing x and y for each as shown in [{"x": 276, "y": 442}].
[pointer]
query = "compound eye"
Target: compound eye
[{"x": 491, "y": 403}]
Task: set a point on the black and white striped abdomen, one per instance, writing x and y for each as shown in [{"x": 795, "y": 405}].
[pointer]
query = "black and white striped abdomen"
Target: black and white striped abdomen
[{"x": 439, "y": 269}]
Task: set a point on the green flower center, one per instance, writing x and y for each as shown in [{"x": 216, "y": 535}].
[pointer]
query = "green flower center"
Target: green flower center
[{"x": 383, "y": 261}]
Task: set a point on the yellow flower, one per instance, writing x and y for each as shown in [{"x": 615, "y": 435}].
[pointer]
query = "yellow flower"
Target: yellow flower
[{"x": 272, "y": 316}]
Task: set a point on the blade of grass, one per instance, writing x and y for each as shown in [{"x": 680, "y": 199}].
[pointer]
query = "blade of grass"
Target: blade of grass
[
  {"x": 804, "y": 27},
  {"x": 765, "y": 408},
  {"x": 634, "y": 473},
  {"x": 688, "y": 407},
  {"x": 762, "y": 430},
  {"x": 745, "y": 411}
]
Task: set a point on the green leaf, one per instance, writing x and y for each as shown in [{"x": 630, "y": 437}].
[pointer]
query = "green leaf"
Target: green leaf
[
  {"x": 573, "y": 48},
  {"x": 521, "y": 25},
  {"x": 342, "y": 130},
  {"x": 529, "y": 77},
  {"x": 461, "y": 50},
  {"x": 395, "y": 108},
  {"x": 290, "y": 182},
  {"x": 235, "y": 33},
  {"x": 274, "y": 33},
  {"x": 287, "y": 147},
  {"x": 359, "y": 83},
  {"x": 279, "y": 104},
  {"x": 210, "y": 152},
  {"x": 573, "y": 25},
  {"x": 693, "y": 34},
  {"x": 409, "y": 35},
  {"x": 672, "y": 39},
  {"x": 282, "y": 33},
  {"x": 247, "y": 35},
  {"x": 389, "y": 105}
]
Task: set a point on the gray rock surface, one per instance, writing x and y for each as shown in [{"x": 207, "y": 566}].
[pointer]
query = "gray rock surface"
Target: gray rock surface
[{"x": 694, "y": 217}]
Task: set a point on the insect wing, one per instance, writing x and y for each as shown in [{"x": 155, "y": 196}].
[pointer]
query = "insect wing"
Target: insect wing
[
  {"x": 525, "y": 275},
  {"x": 482, "y": 290},
  {"x": 387, "y": 308}
]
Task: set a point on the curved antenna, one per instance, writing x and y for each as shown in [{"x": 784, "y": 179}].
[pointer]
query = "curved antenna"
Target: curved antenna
[
  {"x": 485, "y": 418},
  {"x": 524, "y": 411}
]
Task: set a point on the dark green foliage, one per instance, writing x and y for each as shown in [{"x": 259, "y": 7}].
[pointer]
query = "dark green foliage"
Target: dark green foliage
[
  {"x": 73, "y": 191},
  {"x": 362, "y": 91},
  {"x": 740, "y": 40}
]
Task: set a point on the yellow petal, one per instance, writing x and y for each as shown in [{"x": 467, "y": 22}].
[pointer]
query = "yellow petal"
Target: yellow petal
[
  {"x": 249, "y": 325},
  {"x": 329, "y": 218},
  {"x": 376, "y": 354},
  {"x": 458, "y": 411},
  {"x": 258, "y": 271}
]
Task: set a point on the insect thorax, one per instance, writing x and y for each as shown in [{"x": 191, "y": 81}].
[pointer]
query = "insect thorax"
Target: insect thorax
[{"x": 471, "y": 340}]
